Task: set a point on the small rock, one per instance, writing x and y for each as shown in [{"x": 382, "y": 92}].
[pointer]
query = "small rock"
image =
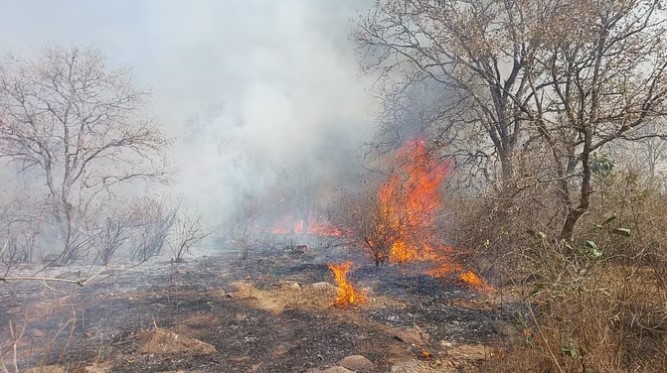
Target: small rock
[
  {"x": 335, "y": 369},
  {"x": 323, "y": 286},
  {"x": 295, "y": 286},
  {"x": 414, "y": 336},
  {"x": 300, "y": 249},
  {"x": 357, "y": 363},
  {"x": 446, "y": 344}
]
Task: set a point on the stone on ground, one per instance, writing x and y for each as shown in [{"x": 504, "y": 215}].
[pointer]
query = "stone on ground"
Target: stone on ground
[{"x": 357, "y": 363}]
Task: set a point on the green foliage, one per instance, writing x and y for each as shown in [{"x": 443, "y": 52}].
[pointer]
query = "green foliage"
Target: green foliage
[{"x": 602, "y": 164}]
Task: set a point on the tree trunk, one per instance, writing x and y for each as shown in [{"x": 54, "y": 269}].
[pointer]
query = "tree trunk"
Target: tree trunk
[{"x": 567, "y": 231}]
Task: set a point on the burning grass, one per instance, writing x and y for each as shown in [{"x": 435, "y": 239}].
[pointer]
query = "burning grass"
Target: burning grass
[{"x": 346, "y": 294}]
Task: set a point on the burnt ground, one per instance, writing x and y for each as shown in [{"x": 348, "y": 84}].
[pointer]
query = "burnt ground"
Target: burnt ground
[{"x": 252, "y": 313}]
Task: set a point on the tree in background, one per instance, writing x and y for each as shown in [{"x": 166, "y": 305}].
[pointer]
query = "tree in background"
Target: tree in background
[
  {"x": 541, "y": 79},
  {"x": 80, "y": 128},
  {"x": 478, "y": 50}
]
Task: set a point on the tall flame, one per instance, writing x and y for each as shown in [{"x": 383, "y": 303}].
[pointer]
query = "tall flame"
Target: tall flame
[
  {"x": 410, "y": 202},
  {"x": 346, "y": 295}
]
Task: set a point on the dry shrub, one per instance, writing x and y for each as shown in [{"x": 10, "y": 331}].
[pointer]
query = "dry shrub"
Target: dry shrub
[{"x": 598, "y": 304}]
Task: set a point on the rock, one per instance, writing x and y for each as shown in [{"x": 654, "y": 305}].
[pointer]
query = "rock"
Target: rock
[
  {"x": 357, "y": 363},
  {"x": 300, "y": 249},
  {"x": 323, "y": 286},
  {"x": 240, "y": 317},
  {"x": 46, "y": 369},
  {"x": 335, "y": 369},
  {"x": 413, "y": 336},
  {"x": 295, "y": 286}
]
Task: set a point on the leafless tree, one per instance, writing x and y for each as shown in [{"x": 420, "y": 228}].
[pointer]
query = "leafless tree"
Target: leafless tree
[
  {"x": 364, "y": 224},
  {"x": 152, "y": 224},
  {"x": 478, "y": 50},
  {"x": 603, "y": 80},
  {"x": 112, "y": 236},
  {"x": 242, "y": 228},
  {"x": 17, "y": 235},
  {"x": 188, "y": 230},
  {"x": 79, "y": 126},
  {"x": 549, "y": 78}
]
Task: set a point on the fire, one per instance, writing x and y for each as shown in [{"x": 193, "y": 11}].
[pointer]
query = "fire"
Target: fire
[
  {"x": 410, "y": 202},
  {"x": 347, "y": 295},
  {"x": 474, "y": 281}
]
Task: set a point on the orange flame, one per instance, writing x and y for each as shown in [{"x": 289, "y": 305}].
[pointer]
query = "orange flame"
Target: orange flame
[
  {"x": 346, "y": 295},
  {"x": 410, "y": 202}
]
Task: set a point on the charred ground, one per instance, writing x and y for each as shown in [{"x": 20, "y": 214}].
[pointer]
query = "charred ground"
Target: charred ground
[{"x": 254, "y": 315}]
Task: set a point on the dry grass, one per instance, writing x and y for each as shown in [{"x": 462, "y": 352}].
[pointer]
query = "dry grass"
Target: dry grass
[
  {"x": 575, "y": 313},
  {"x": 307, "y": 298},
  {"x": 160, "y": 341}
]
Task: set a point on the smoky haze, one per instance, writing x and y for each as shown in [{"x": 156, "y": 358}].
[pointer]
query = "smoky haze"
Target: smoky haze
[{"x": 248, "y": 90}]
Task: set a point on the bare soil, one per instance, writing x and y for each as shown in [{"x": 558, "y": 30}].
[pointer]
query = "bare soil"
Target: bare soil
[{"x": 221, "y": 313}]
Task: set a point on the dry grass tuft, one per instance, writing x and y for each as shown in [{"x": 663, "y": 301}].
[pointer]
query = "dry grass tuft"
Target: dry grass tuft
[{"x": 160, "y": 341}]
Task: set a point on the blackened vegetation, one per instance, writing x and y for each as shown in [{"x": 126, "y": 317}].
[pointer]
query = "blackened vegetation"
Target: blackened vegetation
[{"x": 99, "y": 323}]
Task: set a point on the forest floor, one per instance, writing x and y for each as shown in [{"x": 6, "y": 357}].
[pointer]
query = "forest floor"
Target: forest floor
[{"x": 270, "y": 312}]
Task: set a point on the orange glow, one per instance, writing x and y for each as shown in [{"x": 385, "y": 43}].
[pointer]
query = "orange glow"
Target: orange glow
[
  {"x": 475, "y": 282},
  {"x": 346, "y": 295},
  {"x": 410, "y": 202}
]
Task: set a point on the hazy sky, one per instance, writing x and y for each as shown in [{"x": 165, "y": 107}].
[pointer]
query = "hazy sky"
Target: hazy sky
[{"x": 242, "y": 84}]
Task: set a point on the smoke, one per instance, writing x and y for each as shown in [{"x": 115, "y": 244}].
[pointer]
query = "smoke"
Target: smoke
[{"x": 248, "y": 88}]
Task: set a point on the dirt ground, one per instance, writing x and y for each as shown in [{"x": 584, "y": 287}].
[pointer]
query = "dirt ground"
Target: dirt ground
[{"x": 271, "y": 312}]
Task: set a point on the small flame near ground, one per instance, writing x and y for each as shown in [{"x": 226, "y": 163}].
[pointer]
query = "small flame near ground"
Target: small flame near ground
[{"x": 346, "y": 295}]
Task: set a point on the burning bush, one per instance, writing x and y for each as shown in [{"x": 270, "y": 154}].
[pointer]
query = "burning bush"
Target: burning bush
[{"x": 398, "y": 222}]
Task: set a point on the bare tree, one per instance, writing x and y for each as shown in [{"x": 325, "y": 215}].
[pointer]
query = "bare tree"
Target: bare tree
[
  {"x": 546, "y": 77},
  {"x": 478, "y": 50},
  {"x": 114, "y": 233},
  {"x": 80, "y": 127},
  {"x": 188, "y": 230},
  {"x": 242, "y": 228},
  {"x": 603, "y": 80},
  {"x": 17, "y": 235},
  {"x": 365, "y": 224},
  {"x": 152, "y": 223}
]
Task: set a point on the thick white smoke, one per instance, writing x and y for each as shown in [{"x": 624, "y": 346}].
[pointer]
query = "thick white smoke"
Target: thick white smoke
[{"x": 245, "y": 87}]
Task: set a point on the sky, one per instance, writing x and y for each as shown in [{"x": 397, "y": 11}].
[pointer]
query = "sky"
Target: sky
[{"x": 243, "y": 86}]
